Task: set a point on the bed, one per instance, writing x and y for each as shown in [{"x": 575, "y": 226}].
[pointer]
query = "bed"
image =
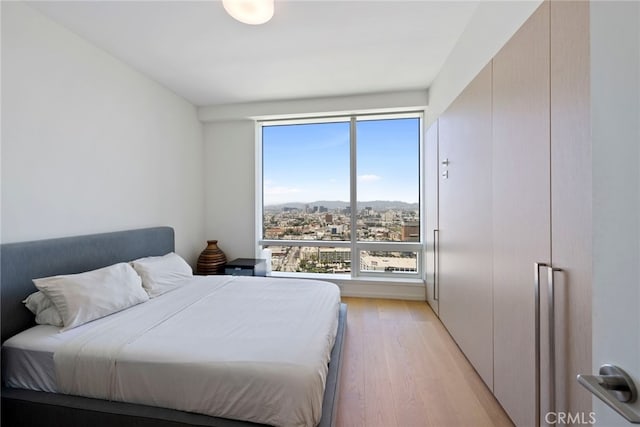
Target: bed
[{"x": 21, "y": 262}]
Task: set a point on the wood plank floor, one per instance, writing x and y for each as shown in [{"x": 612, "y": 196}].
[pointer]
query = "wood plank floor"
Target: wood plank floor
[{"x": 401, "y": 368}]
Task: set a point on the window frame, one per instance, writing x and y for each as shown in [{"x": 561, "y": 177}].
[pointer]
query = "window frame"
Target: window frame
[{"x": 355, "y": 246}]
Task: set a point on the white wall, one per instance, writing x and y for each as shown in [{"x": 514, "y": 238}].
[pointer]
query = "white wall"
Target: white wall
[
  {"x": 615, "y": 111},
  {"x": 90, "y": 145},
  {"x": 230, "y": 186}
]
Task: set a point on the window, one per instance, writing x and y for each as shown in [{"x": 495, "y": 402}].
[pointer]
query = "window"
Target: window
[{"x": 342, "y": 195}]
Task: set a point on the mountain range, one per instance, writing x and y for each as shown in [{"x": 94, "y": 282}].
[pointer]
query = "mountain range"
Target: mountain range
[{"x": 378, "y": 205}]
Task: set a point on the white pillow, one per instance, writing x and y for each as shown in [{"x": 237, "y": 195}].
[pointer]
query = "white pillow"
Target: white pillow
[
  {"x": 40, "y": 305},
  {"x": 83, "y": 297},
  {"x": 161, "y": 274}
]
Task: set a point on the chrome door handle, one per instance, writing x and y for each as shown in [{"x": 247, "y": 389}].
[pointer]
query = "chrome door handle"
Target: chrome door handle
[
  {"x": 536, "y": 285},
  {"x": 615, "y": 388},
  {"x": 552, "y": 339},
  {"x": 436, "y": 288},
  {"x": 551, "y": 333}
]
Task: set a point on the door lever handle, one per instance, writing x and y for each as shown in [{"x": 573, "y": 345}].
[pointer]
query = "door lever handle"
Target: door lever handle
[{"x": 615, "y": 388}]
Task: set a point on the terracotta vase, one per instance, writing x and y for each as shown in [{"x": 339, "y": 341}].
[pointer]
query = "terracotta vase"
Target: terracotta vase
[{"x": 212, "y": 260}]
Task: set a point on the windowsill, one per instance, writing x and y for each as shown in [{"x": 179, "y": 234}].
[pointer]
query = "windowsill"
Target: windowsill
[{"x": 341, "y": 278}]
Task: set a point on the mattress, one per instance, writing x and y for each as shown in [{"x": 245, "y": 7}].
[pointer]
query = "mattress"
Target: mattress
[{"x": 247, "y": 348}]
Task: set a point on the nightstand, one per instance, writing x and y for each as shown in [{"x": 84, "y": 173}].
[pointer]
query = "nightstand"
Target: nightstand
[{"x": 246, "y": 267}]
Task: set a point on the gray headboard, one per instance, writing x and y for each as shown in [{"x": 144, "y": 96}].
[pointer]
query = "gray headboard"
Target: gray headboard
[{"x": 24, "y": 261}]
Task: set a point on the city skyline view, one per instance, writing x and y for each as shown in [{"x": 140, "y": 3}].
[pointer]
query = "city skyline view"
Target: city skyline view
[
  {"x": 318, "y": 222},
  {"x": 308, "y": 172},
  {"x": 306, "y": 163}
]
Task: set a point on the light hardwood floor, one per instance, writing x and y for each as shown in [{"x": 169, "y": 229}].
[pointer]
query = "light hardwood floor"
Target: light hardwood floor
[{"x": 401, "y": 368}]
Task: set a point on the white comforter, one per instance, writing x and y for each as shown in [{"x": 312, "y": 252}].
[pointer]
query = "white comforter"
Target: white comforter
[{"x": 246, "y": 348}]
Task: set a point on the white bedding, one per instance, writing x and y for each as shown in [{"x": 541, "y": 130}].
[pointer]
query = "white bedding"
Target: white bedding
[{"x": 247, "y": 348}]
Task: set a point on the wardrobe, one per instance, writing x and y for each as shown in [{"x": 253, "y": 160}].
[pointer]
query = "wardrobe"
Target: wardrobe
[{"x": 512, "y": 258}]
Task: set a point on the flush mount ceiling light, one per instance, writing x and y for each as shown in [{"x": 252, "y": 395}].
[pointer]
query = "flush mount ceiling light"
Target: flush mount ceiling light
[{"x": 252, "y": 12}]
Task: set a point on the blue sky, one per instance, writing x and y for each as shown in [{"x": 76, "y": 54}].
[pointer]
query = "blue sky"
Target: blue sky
[{"x": 305, "y": 163}]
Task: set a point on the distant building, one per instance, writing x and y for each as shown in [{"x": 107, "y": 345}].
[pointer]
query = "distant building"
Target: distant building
[
  {"x": 379, "y": 232},
  {"x": 273, "y": 232},
  {"x": 336, "y": 229},
  {"x": 328, "y": 218},
  {"x": 389, "y": 216},
  {"x": 379, "y": 263},
  {"x": 334, "y": 255},
  {"x": 411, "y": 231},
  {"x": 370, "y": 222},
  {"x": 367, "y": 211}
]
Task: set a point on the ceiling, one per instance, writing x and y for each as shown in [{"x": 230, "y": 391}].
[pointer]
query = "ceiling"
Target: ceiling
[{"x": 309, "y": 49}]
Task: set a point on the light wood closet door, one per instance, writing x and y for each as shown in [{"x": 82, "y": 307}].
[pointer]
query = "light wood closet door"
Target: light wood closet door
[
  {"x": 466, "y": 299},
  {"x": 571, "y": 192},
  {"x": 431, "y": 213},
  {"x": 521, "y": 207}
]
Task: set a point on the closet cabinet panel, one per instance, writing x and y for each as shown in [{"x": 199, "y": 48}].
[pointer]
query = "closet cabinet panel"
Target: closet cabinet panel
[
  {"x": 466, "y": 301},
  {"x": 521, "y": 208},
  {"x": 571, "y": 200},
  {"x": 431, "y": 214}
]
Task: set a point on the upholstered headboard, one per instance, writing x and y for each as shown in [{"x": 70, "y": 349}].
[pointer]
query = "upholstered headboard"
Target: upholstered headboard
[{"x": 24, "y": 261}]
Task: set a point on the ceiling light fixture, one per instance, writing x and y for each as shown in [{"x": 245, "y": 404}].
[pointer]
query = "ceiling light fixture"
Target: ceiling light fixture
[{"x": 252, "y": 12}]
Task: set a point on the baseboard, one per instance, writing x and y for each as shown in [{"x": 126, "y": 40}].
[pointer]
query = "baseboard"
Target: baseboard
[{"x": 388, "y": 290}]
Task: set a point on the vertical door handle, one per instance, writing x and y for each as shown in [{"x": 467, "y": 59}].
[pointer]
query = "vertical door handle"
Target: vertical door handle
[
  {"x": 551, "y": 334},
  {"x": 436, "y": 287},
  {"x": 536, "y": 284},
  {"x": 552, "y": 338}
]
